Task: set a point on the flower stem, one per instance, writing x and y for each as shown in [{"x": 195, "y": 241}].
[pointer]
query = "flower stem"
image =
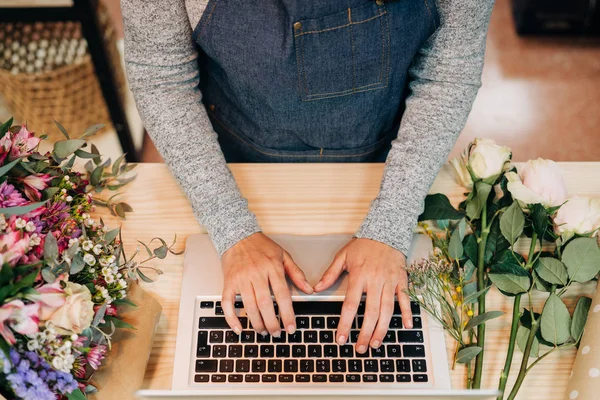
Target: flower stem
[
  {"x": 523, "y": 370},
  {"x": 481, "y": 301}
]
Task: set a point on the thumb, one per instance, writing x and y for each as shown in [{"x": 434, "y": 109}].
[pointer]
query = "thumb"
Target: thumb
[
  {"x": 296, "y": 274},
  {"x": 332, "y": 273}
]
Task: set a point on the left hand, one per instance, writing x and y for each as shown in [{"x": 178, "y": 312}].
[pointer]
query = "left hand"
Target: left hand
[{"x": 377, "y": 270}]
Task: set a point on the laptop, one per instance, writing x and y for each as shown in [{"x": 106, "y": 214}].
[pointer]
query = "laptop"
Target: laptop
[{"x": 212, "y": 362}]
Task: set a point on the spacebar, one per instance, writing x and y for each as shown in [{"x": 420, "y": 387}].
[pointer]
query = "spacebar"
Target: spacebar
[{"x": 317, "y": 307}]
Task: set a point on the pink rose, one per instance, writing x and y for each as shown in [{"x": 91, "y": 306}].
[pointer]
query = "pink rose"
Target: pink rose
[
  {"x": 18, "y": 317},
  {"x": 13, "y": 246},
  {"x": 77, "y": 313},
  {"x": 579, "y": 216},
  {"x": 23, "y": 143},
  {"x": 539, "y": 182},
  {"x": 50, "y": 298}
]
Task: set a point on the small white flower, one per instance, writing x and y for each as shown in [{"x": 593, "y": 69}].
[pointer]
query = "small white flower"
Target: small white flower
[
  {"x": 111, "y": 259},
  {"x": 123, "y": 294},
  {"x": 119, "y": 275},
  {"x": 115, "y": 269},
  {"x": 103, "y": 262},
  {"x": 109, "y": 278},
  {"x": 87, "y": 245},
  {"x": 89, "y": 222},
  {"x": 63, "y": 191},
  {"x": 92, "y": 270},
  {"x": 106, "y": 271},
  {"x": 89, "y": 259},
  {"x": 66, "y": 178},
  {"x": 30, "y": 226},
  {"x": 85, "y": 215},
  {"x": 34, "y": 240},
  {"x": 69, "y": 199},
  {"x": 58, "y": 363},
  {"x": 97, "y": 249},
  {"x": 74, "y": 337},
  {"x": 20, "y": 223},
  {"x": 72, "y": 242},
  {"x": 122, "y": 283}
]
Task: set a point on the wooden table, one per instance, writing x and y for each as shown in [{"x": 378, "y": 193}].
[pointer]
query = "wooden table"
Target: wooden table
[{"x": 316, "y": 199}]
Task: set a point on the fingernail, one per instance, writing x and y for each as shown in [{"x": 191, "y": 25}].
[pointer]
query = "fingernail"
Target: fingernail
[
  {"x": 375, "y": 344},
  {"x": 291, "y": 329},
  {"x": 362, "y": 348},
  {"x": 237, "y": 330},
  {"x": 318, "y": 286},
  {"x": 309, "y": 288},
  {"x": 277, "y": 334},
  {"x": 341, "y": 340},
  {"x": 409, "y": 324},
  {"x": 264, "y": 333}
]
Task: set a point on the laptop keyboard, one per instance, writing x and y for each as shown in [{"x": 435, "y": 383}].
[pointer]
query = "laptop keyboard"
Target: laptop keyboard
[{"x": 311, "y": 353}]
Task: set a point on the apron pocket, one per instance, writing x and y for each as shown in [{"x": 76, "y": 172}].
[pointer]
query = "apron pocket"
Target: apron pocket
[{"x": 343, "y": 53}]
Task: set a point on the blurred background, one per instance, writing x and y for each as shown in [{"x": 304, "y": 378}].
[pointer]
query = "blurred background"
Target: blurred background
[{"x": 540, "y": 94}]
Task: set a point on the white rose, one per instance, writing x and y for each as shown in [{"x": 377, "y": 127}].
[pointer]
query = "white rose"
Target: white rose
[
  {"x": 487, "y": 159},
  {"x": 539, "y": 182},
  {"x": 77, "y": 313},
  {"x": 580, "y": 215},
  {"x": 460, "y": 171}
]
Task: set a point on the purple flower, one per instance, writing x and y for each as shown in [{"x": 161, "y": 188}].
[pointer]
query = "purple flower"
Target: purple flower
[
  {"x": 96, "y": 355},
  {"x": 10, "y": 197}
]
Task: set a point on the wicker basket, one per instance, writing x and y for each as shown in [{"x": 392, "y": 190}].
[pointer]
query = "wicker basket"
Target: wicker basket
[{"x": 39, "y": 87}]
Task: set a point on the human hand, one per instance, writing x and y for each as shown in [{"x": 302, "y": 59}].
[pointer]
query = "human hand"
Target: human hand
[
  {"x": 249, "y": 268},
  {"x": 378, "y": 270}
]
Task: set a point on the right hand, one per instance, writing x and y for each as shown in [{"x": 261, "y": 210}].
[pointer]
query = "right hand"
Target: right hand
[{"x": 249, "y": 268}]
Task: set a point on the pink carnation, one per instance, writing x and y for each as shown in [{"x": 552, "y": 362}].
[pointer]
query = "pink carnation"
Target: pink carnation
[{"x": 18, "y": 317}]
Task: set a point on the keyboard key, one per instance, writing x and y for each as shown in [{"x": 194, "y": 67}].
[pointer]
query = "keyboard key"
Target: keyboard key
[
  {"x": 219, "y": 311},
  {"x": 336, "y": 378},
  {"x": 207, "y": 304},
  {"x": 232, "y": 337},
  {"x": 250, "y": 351},
  {"x": 331, "y": 350},
  {"x": 353, "y": 326},
  {"x": 269, "y": 378},
  {"x": 274, "y": 365},
  {"x": 326, "y": 336},
  {"x": 353, "y": 378},
  {"x": 201, "y": 378},
  {"x": 295, "y": 337},
  {"x": 235, "y": 378},
  {"x": 415, "y": 308},
  {"x": 307, "y": 365},
  {"x": 218, "y": 304},
  {"x": 259, "y": 365},
  {"x": 396, "y": 323},
  {"x": 319, "y": 378},
  {"x": 317, "y": 307},
  {"x": 360, "y": 321},
  {"x": 386, "y": 378},
  {"x": 302, "y": 323},
  {"x": 333, "y": 322},
  {"x": 403, "y": 378},
  {"x": 369, "y": 378},
  {"x": 420, "y": 378},
  {"x": 402, "y": 366},
  {"x": 290, "y": 365},
  {"x": 310, "y": 337},
  {"x": 338, "y": 365},
  {"x": 219, "y": 351},
  {"x": 361, "y": 308},
  {"x": 235, "y": 351},
  {"x": 206, "y": 365},
  {"x": 413, "y": 351},
  {"x": 347, "y": 351},
  {"x": 371, "y": 366},
  {"x": 299, "y": 351},
  {"x": 280, "y": 339},
  {"x": 267, "y": 351},
  {"x": 226, "y": 366},
  {"x": 355, "y": 365},
  {"x": 314, "y": 351},
  {"x": 247, "y": 336},
  {"x": 238, "y": 304},
  {"x": 410, "y": 336},
  {"x": 202, "y": 338},
  {"x": 203, "y": 351},
  {"x": 354, "y": 336},
  {"x": 390, "y": 337},
  {"x": 417, "y": 323},
  {"x": 282, "y": 350},
  {"x": 303, "y": 378},
  {"x": 323, "y": 366},
  {"x": 393, "y": 350},
  {"x": 252, "y": 378},
  {"x": 386, "y": 365},
  {"x": 286, "y": 378},
  {"x": 242, "y": 366},
  {"x": 363, "y": 355},
  {"x": 318, "y": 322},
  {"x": 263, "y": 339},
  {"x": 216, "y": 337},
  {"x": 379, "y": 352},
  {"x": 212, "y": 323},
  {"x": 218, "y": 378},
  {"x": 419, "y": 366}
]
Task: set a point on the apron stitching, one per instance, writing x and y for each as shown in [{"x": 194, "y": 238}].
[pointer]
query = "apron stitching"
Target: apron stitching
[
  {"x": 208, "y": 19},
  {"x": 430, "y": 13},
  {"x": 304, "y": 69},
  {"x": 347, "y": 91},
  {"x": 352, "y": 47},
  {"x": 382, "y": 49},
  {"x": 341, "y": 26},
  {"x": 299, "y": 68},
  {"x": 289, "y": 155},
  {"x": 387, "y": 77}
]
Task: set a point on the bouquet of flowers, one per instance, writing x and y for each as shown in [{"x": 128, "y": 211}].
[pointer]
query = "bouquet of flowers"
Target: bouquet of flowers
[
  {"x": 520, "y": 232},
  {"x": 63, "y": 274}
]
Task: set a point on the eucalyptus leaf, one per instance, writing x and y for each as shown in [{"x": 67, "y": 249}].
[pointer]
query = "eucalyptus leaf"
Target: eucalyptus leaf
[
  {"x": 110, "y": 236},
  {"x": 84, "y": 154},
  {"x": 475, "y": 206},
  {"x": 551, "y": 270},
  {"x": 455, "y": 248},
  {"x": 96, "y": 175},
  {"x": 483, "y": 318},
  {"x": 466, "y": 354},
  {"x": 22, "y": 209},
  {"x": 143, "y": 276},
  {"x": 522, "y": 337},
  {"x": 437, "y": 206},
  {"x": 469, "y": 269},
  {"x": 555, "y": 321},
  {"x": 48, "y": 275},
  {"x": 147, "y": 248},
  {"x": 77, "y": 264},
  {"x": 92, "y": 130},
  {"x": 50, "y": 249},
  {"x": 7, "y": 167},
  {"x": 117, "y": 164},
  {"x": 64, "y": 148},
  {"x": 580, "y": 317},
  {"x": 582, "y": 258},
  {"x": 62, "y": 129},
  {"x": 69, "y": 164},
  {"x": 99, "y": 315},
  {"x": 512, "y": 223},
  {"x": 472, "y": 297}
]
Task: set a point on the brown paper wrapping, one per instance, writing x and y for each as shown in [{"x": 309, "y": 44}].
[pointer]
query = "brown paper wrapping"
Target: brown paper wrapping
[
  {"x": 585, "y": 378},
  {"x": 123, "y": 371}
]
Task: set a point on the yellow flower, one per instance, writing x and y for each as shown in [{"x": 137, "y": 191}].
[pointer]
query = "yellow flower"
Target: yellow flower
[
  {"x": 458, "y": 289},
  {"x": 454, "y": 297},
  {"x": 470, "y": 313},
  {"x": 458, "y": 304}
]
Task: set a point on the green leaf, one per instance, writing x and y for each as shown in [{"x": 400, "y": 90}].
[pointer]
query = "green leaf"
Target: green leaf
[
  {"x": 96, "y": 175},
  {"x": 582, "y": 258},
  {"x": 469, "y": 269},
  {"x": 470, "y": 247},
  {"x": 5, "y": 348},
  {"x": 48, "y": 275},
  {"x": 7, "y": 167},
  {"x": 455, "y": 248},
  {"x": 472, "y": 297},
  {"x": 555, "y": 322},
  {"x": 539, "y": 219},
  {"x": 63, "y": 130},
  {"x": 466, "y": 354},
  {"x": 143, "y": 276},
  {"x": 117, "y": 164},
  {"x": 437, "y": 206},
  {"x": 121, "y": 302},
  {"x": 99, "y": 315},
  {"x": 119, "y": 323},
  {"x": 475, "y": 206},
  {"x": 22, "y": 209},
  {"x": 510, "y": 278},
  {"x": 6, "y": 274},
  {"x": 580, "y": 317},
  {"x": 110, "y": 236},
  {"x": 496, "y": 243},
  {"x": 26, "y": 281},
  {"x": 483, "y": 318},
  {"x": 84, "y": 154},
  {"x": 64, "y": 148},
  {"x": 522, "y": 336},
  {"x": 76, "y": 395},
  {"x": 551, "y": 270},
  {"x": 5, "y": 127},
  {"x": 91, "y": 130},
  {"x": 147, "y": 248},
  {"x": 77, "y": 264},
  {"x": 50, "y": 249},
  {"x": 512, "y": 223}
]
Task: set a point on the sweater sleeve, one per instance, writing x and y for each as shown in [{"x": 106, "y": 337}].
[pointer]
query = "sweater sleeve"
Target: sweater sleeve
[
  {"x": 444, "y": 79},
  {"x": 162, "y": 69}
]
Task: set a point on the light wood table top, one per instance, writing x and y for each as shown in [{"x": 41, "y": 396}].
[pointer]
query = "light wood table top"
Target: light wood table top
[{"x": 316, "y": 199}]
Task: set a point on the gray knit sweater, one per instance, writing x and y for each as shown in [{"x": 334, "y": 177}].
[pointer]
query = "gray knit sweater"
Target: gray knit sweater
[{"x": 161, "y": 64}]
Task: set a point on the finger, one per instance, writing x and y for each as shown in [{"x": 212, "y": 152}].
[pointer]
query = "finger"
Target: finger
[
  {"x": 227, "y": 303},
  {"x": 284, "y": 301},
  {"x": 371, "y": 316},
  {"x": 296, "y": 274},
  {"x": 386, "y": 309},
  {"x": 265, "y": 306},
  {"x": 349, "y": 309},
  {"x": 252, "y": 308},
  {"x": 333, "y": 272},
  {"x": 404, "y": 301}
]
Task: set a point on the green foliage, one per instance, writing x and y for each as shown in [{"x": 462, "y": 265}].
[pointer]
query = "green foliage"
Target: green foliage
[
  {"x": 64, "y": 148},
  {"x": 481, "y": 193},
  {"x": 582, "y": 258},
  {"x": 482, "y": 318},
  {"x": 496, "y": 243},
  {"x": 510, "y": 278},
  {"x": 455, "y": 248},
  {"x": 580, "y": 317},
  {"x": 438, "y": 207},
  {"x": 512, "y": 223},
  {"x": 22, "y": 209},
  {"x": 522, "y": 336},
  {"x": 551, "y": 270},
  {"x": 555, "y": 322},
  {"x": 466, "y": 354}
]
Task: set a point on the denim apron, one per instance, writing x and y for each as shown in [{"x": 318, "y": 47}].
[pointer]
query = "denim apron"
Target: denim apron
[{"x": 309, "y": 80}]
